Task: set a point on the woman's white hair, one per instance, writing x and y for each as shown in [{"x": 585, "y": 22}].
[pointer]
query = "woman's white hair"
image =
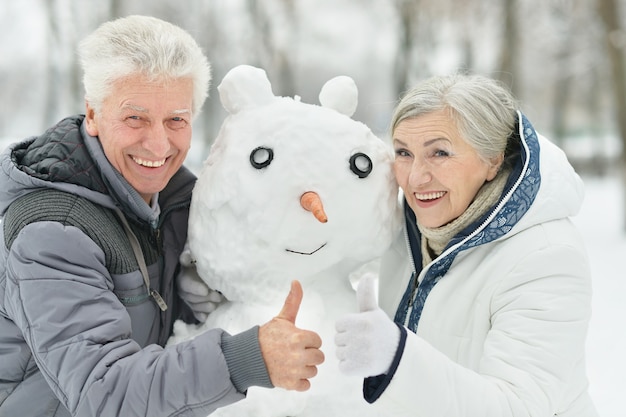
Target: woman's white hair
[
  {"x": 141, "y": 45},
  {"x": 483, "y": 110}
]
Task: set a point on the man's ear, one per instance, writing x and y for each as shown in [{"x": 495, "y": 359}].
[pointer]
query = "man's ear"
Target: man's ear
[{"x": 90, "y": 120}]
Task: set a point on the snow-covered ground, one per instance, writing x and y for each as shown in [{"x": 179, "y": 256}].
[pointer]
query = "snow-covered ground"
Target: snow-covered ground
[{"x": 600, "y": 221}]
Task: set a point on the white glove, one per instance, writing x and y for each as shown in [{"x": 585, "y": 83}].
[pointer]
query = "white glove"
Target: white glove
[
  {"x": 366, "y": 342},
  {"x": 194, "y": 291}
]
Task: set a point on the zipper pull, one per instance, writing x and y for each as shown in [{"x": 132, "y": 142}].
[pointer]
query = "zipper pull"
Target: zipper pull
[{"x": 159, "y": 300}]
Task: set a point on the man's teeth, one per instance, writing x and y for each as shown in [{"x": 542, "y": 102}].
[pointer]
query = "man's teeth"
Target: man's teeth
[
  {"x": 430, "y": 196},
  {"x": 151, "y": 164}
]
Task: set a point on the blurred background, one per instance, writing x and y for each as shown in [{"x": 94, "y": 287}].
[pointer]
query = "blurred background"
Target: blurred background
[{"x": 565, "y": 60}]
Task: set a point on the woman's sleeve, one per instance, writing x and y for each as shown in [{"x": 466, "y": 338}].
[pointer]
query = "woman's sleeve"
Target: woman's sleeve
[
  {"x": 60, "y": 295},
  {"x": 539, "y": 319}
]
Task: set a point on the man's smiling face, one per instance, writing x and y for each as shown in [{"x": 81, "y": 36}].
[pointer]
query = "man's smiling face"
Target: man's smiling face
[{"x": 144, "y": 127}]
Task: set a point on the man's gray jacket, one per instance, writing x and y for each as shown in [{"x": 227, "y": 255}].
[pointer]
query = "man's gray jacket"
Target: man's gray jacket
[{"x": 80, "y": 332}]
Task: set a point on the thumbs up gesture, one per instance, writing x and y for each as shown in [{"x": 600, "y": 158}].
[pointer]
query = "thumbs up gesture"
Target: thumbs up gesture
[
  {"x": 367, "y": 341},
  {"x": 291, "y": 354}
]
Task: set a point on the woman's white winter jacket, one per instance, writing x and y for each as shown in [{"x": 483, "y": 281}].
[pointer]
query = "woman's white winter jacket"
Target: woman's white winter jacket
[{"x": 497, "y": 325}]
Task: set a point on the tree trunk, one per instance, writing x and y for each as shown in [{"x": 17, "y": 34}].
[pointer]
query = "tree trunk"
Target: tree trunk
[
  {"x": 508, "y": 66},
  {"x": 54, "y": 79},
  {"x": 562, "y": 91},
  {"x": 407, "y": 15},
  {"x": 609, "y": 13}
]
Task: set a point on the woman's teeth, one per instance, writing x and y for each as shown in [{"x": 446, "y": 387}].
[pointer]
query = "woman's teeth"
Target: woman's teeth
[{"x": 430, "y": 196}]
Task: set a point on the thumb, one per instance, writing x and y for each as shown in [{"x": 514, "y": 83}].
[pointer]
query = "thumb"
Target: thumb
[
  {"x": 366, "y": 293},
  {"x": 292, "y": 303}
]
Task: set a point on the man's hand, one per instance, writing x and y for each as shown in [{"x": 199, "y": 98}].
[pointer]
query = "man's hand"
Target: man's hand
[
  {"x": 195, "y": 293},
  {"x": 291, "y": 354},
  {"x": 367, "y": 341}
]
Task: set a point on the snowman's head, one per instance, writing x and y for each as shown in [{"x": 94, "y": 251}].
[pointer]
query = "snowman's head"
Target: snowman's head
[{"x": 250, "y": 228}]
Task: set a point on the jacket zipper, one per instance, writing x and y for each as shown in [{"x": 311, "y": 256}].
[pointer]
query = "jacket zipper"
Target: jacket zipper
[{"x": 488, "y": 220}]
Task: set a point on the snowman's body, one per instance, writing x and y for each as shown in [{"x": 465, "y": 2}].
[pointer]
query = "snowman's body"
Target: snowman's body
[{"x": 250, "y": 235}]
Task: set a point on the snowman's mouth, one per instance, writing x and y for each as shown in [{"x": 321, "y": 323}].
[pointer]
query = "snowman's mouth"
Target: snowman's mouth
[{"x": 305, "y": 253}]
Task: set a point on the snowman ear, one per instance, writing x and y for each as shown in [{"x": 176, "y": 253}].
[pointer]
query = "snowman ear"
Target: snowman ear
[
  {"x": 244, "y": 87},
  {"x": 341, "y": 94}
]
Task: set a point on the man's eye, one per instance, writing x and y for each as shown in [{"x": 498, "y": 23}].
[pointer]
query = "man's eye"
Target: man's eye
[
  {"x": 134, "y": 121},
  {"x": 177, "y": 123}
]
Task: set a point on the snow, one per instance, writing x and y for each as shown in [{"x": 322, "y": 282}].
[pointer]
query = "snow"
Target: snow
[
  {"x": 341, "y": 94},
  {"x": 251, "y": 235},
  {"x": 255, "y": 233},
  {"x": 600, "y": 222},
  {"x": 297, "y": 138}
]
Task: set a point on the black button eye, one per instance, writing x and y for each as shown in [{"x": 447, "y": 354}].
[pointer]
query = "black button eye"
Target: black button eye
[
  {"x": 361, "y": 164},
  {"x": 261, "y": 157}
]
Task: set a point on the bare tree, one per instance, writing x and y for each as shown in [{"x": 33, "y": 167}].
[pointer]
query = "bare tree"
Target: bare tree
[
  {"x": 407, "y": 15},
  {"x": 562, "y": 23},
  {"x": 615, "y": 44},
  {"x": 54, "y": 74},
  {"x": 508, "y": 66},
  {"x": 273, "y": 47}
]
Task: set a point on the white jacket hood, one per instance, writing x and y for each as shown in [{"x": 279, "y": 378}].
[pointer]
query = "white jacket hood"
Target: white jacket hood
[
  {"x": 561, "y": 190},
  {"x": 543, "y": 186}
]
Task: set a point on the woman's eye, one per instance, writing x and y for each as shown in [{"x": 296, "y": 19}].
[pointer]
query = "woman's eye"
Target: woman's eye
[
  {"x": 261, "y": 157},
  {"x": 441, "y": 153},
  {"x": 401, "y": 152},
  {"x": 361, "y": 164}
]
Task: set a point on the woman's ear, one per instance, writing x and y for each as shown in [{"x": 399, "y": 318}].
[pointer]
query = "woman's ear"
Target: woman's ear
[{"x": 494, "y": 168}]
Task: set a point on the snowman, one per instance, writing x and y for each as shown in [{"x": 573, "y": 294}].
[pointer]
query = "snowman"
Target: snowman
[{"x": 291, "y": 191}]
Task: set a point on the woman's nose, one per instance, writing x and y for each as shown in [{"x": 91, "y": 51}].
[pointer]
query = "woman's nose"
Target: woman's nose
[{"x": 420, "y": 174}]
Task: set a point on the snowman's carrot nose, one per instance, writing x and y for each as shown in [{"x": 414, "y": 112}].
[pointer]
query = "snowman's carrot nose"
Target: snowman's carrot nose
[{"x": 312, "y": 202}]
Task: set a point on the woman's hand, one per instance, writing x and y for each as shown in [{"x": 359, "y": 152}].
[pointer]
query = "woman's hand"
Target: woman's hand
[{"x": 367, "y": 341}]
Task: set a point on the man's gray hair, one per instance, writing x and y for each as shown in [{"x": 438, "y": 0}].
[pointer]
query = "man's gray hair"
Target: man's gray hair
[{"x": 141, "y": 45}]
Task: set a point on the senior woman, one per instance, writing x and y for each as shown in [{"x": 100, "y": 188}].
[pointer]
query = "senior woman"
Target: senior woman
[{"x": 491, "y": 302}]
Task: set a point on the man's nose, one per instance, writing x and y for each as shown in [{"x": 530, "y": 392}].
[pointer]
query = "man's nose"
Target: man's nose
[{"x": 158, "y": 141}]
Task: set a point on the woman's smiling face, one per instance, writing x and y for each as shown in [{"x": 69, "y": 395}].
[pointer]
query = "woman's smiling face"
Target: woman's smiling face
[{"x": 439, "y": 172}]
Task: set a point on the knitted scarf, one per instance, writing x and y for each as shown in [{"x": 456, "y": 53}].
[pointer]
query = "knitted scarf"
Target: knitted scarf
[{"x": 434, "y": 240}]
